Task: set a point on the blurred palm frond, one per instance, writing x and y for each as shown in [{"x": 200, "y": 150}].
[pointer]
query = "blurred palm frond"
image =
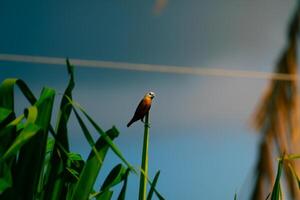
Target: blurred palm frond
[{"x": 277, "y": 118}]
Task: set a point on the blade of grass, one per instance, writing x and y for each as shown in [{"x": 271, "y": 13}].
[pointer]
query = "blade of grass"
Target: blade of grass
[
  {"x": 31, "y": 114},
  {"x": 9, "y": 132},
  {"x": 65, "y": 109},
  {"x": 276, "y": 193},
  {"x": 115, "y": 176},
  {"x": 151, "y": 191},
  {"x": 32, "y": 154},
  {"x": 114, "y": 148},
  {"x": 159, "y": 196},
  {"x": 123, "y": 190},
  {"x": 87, "y": 135},
  {"x": 74, "y": 166},
  {"x": 92, "y": 167},
  {"x": 46, "y": 165},
  {"x": 105, "y": 195},
  {"x": 56, "y": 182},
  {"x": 6, "y": 116},
  {"x": 7, "y": 93},
  {"x": 144, "y": 166},
  {"x": 26, "y": 134}
]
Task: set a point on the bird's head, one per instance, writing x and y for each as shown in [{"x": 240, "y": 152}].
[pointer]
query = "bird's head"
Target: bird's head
[{"x": 150, "y": 94}]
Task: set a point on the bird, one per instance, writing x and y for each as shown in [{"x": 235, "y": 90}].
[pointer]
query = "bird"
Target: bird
[{"x": 143, "y": 108}]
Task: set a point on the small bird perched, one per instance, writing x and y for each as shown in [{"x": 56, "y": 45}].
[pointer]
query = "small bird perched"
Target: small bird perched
[{"x": 143, "y": 108}]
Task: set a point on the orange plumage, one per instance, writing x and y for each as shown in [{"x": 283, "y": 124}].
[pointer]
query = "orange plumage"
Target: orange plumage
[{"x": 143, "y": 108}]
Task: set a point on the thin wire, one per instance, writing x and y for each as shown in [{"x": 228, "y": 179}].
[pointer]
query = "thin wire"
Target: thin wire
[{"x": 151, "y": 68}]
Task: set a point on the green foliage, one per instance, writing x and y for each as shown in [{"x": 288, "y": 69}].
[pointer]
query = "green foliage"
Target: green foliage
[
  {"x": 276, "y": 193},
  {"x": 150, "y": 194},
  {"x": 35, "y": 158}
]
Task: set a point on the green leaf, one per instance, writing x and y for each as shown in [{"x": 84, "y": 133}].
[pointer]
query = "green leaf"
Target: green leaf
[
  {"x": 65, "y": 109},
  {"x": 276, "y": 193},
  {"x": 74, "y": 166},
  {"x": 123, "y": 190},
  {"x": 32, "y": 154},
  {"x": 17, "y": 121},
  {"x": 55, "y": 182},
  {"x": 31, "y": 114},
  {"x": 87, "y": 135},
  {"x": 6, "y": 116},
  {"x": 109, "y": 141},
  {"x": 159, "y": 196},
  {"x": 73, "y": 172},
  {"x": 5, "y": 177},
  {"x": 153, "y": 185},
  {"x": 105, "y": 195},
  {"x": 7, "y": 93},
  {"x": 74, "y": 156},
  {"x": 115, "y": 176},
  {"x": 114, "y": 148},
  {"x": 4, "y": 113},
  {"x": 46, "y": 165},
  {"x": 28, "y": 132},
  {"x": 92, "y": 167},
  {"x": 50, "y": 145}
]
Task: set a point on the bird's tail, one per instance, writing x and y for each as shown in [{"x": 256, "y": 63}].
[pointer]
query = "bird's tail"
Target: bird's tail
[{"x": 129, "y": 123}]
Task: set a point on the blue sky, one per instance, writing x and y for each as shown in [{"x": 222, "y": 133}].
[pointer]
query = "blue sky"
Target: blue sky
[{"x": 200, "y": 134}]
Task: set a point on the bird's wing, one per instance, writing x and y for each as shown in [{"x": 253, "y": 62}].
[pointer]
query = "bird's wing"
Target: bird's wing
[{"x": 142, "y": 109}]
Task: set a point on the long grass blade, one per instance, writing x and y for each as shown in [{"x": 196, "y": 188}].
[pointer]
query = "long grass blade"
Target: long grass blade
[
  {"x": 88, "y": 136},
  {"x": 276, "y": 193},
  {"x": 6, "y": 116},
  {"x": 144, "y": 166},
  {"x": 153, "y": 185},
  {"x": 7, "y": 93},
  {"x": 112, "y": 145},
  {"x": 92, "y": 167},
  {"x": 124, "y": 187},
  {"x": 32, "y": 154},
  {"x": 159, "y": 196},
  {"x": 115, "y": 176},
  {"x": 107, "y": 195},
  {"x": 56, "y": 182},
  {"x": 28, "y": 132}
]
